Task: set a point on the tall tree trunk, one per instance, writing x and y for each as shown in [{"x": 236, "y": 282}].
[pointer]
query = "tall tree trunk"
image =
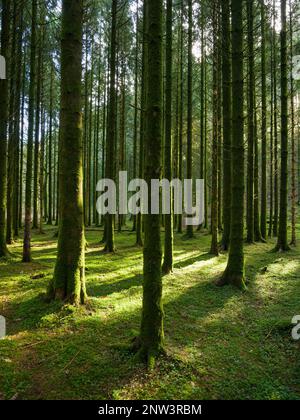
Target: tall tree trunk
[
  {"x": 50, "y": 151},
  {"x": 250, "y": 160},
  {"x": 139, "y": 221},
  {"x": 16, "y": 187},
  {"x": 235, "y": 271},
  {"x": 5, "y": 25},
  {"x": 136, "y": 100},
  {"x": 35, "y": 223},
  {"x": 257, "y": 231},
  {"x": 111, "y": 126},
  {"x": 227, "y": 128},
  {"x": 181, "y": 96},
  {"x": 282, "y": 244},
  {"x": 214, "y": 249},
  {"x": 263, "y": 210},
  {"x": 69, "y": 276},
  {"x": 28, "y": 188},
  {"x": 276, "y": 154},
  {"x": 189, "y": 229},
  {"x": 11, "y": 129},
  {"x": 293, "y": 139},
  {"x": 168, "y": 248},
  {"x": 151, "y": 338}
]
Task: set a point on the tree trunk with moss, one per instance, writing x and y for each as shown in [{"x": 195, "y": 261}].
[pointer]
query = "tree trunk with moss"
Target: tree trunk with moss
[
  {"x": 263, "y": 210},
  {"x": 69, "y": 275},
  {"x": 50, "y": 152},
  {"x": 282, "y": 244},
  {"x": 235, "y": 271},
  {"x": 257, "y": 231},
  {"x": 151, "y": 338},
  {"x": 250, "y": 160},
  {"x": 189, "y": 229},
  {"x": 293, "y": 138},
  {"x": 276, "y": 152},
  {"x": 111, "y": 127},
  {"x": 168, "y": 251},
  {"x": 11, "y": 128},
  {"x": 227, "y": 128},
  {"x": 180, "y": 112},
  {"x": 28, "y": 187},
  {"x": 214, "y": 249},
  {"x": 35, "y": 223},
  {"x": 5, "y": 25}
]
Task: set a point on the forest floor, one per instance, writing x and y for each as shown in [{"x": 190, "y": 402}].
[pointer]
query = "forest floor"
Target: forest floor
[{"x": 221, "y": 343}]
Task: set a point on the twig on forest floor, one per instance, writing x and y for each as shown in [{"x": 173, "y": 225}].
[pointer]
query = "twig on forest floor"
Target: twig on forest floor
[
  {"x": 25, "y": 346},
  {"x": 71, "y": 361}
]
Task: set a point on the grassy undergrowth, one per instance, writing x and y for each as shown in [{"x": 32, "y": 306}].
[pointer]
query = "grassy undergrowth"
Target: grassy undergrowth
[{"x": 221, "y": 343}]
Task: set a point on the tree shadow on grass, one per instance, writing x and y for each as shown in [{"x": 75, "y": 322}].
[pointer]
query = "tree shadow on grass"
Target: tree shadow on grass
[
  {"x": 192, "y": 260},
  {"x": 105, "y": 289}
]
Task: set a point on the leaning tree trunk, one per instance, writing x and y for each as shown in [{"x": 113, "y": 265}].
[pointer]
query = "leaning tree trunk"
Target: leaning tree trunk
[
  {"x": 235, "y": 271},
  {"x": 151, "y": 338},
  {"x": 5, "y": 25},
  {"x": 69, "y": 275},
  {"x": 282, "y": 244}
]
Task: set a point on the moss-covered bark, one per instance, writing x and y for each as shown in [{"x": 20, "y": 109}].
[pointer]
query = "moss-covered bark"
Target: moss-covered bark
[
  {"x": 263, "y": 210},
  {"x": 37, "y": 138},
  {"x": 214, "y": 249},
  {"x": 282, "y": 244},
  {"x": 31, "y": 106},
  {"x": 69, "y": 276},
  {"x": 111, "y": 126},
  {"x": 235, "y": 271},
  {"x": 189, "y": 163},
  {"x": 227, "y": 127},
  {"x": 5, "y": 24},
  {"x": 168, "y": 248},
  {"x": 275, "y": 145},
  {"x": 180, "y": 111},
  {"x": 50, "y": 153},
  {"x": 293, "y": 136},
  {"x": 250, "y": 156},
  {"x": 151, "y": 338},
  {"x": 257, "y": 230}
]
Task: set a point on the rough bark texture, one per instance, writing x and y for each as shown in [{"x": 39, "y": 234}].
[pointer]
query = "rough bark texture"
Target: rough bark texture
[
  {"x": 189, "y": 229},
  {"x": 263, "y": 211},
  {"x": 214, "y": 249},
  {"x": 69, "y": 276},
  {"x": 111, "y": 126},
  {"x": 282, "y": 244},
  {"x": 235, "y": 271},
  {"x": 168, "y": 254},
  {"x": 5, "y": 23},
  {"x": 28, "y": 188},
  {"x": 250, "y": 160},
  {"x": 293, "y": 139},
  {"x": 151, "y": 337},
  {"x": 227, "y": 127}
]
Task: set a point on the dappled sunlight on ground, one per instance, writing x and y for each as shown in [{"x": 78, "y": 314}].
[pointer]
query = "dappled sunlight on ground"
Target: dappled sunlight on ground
[{"x": 221, "y": 343}]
